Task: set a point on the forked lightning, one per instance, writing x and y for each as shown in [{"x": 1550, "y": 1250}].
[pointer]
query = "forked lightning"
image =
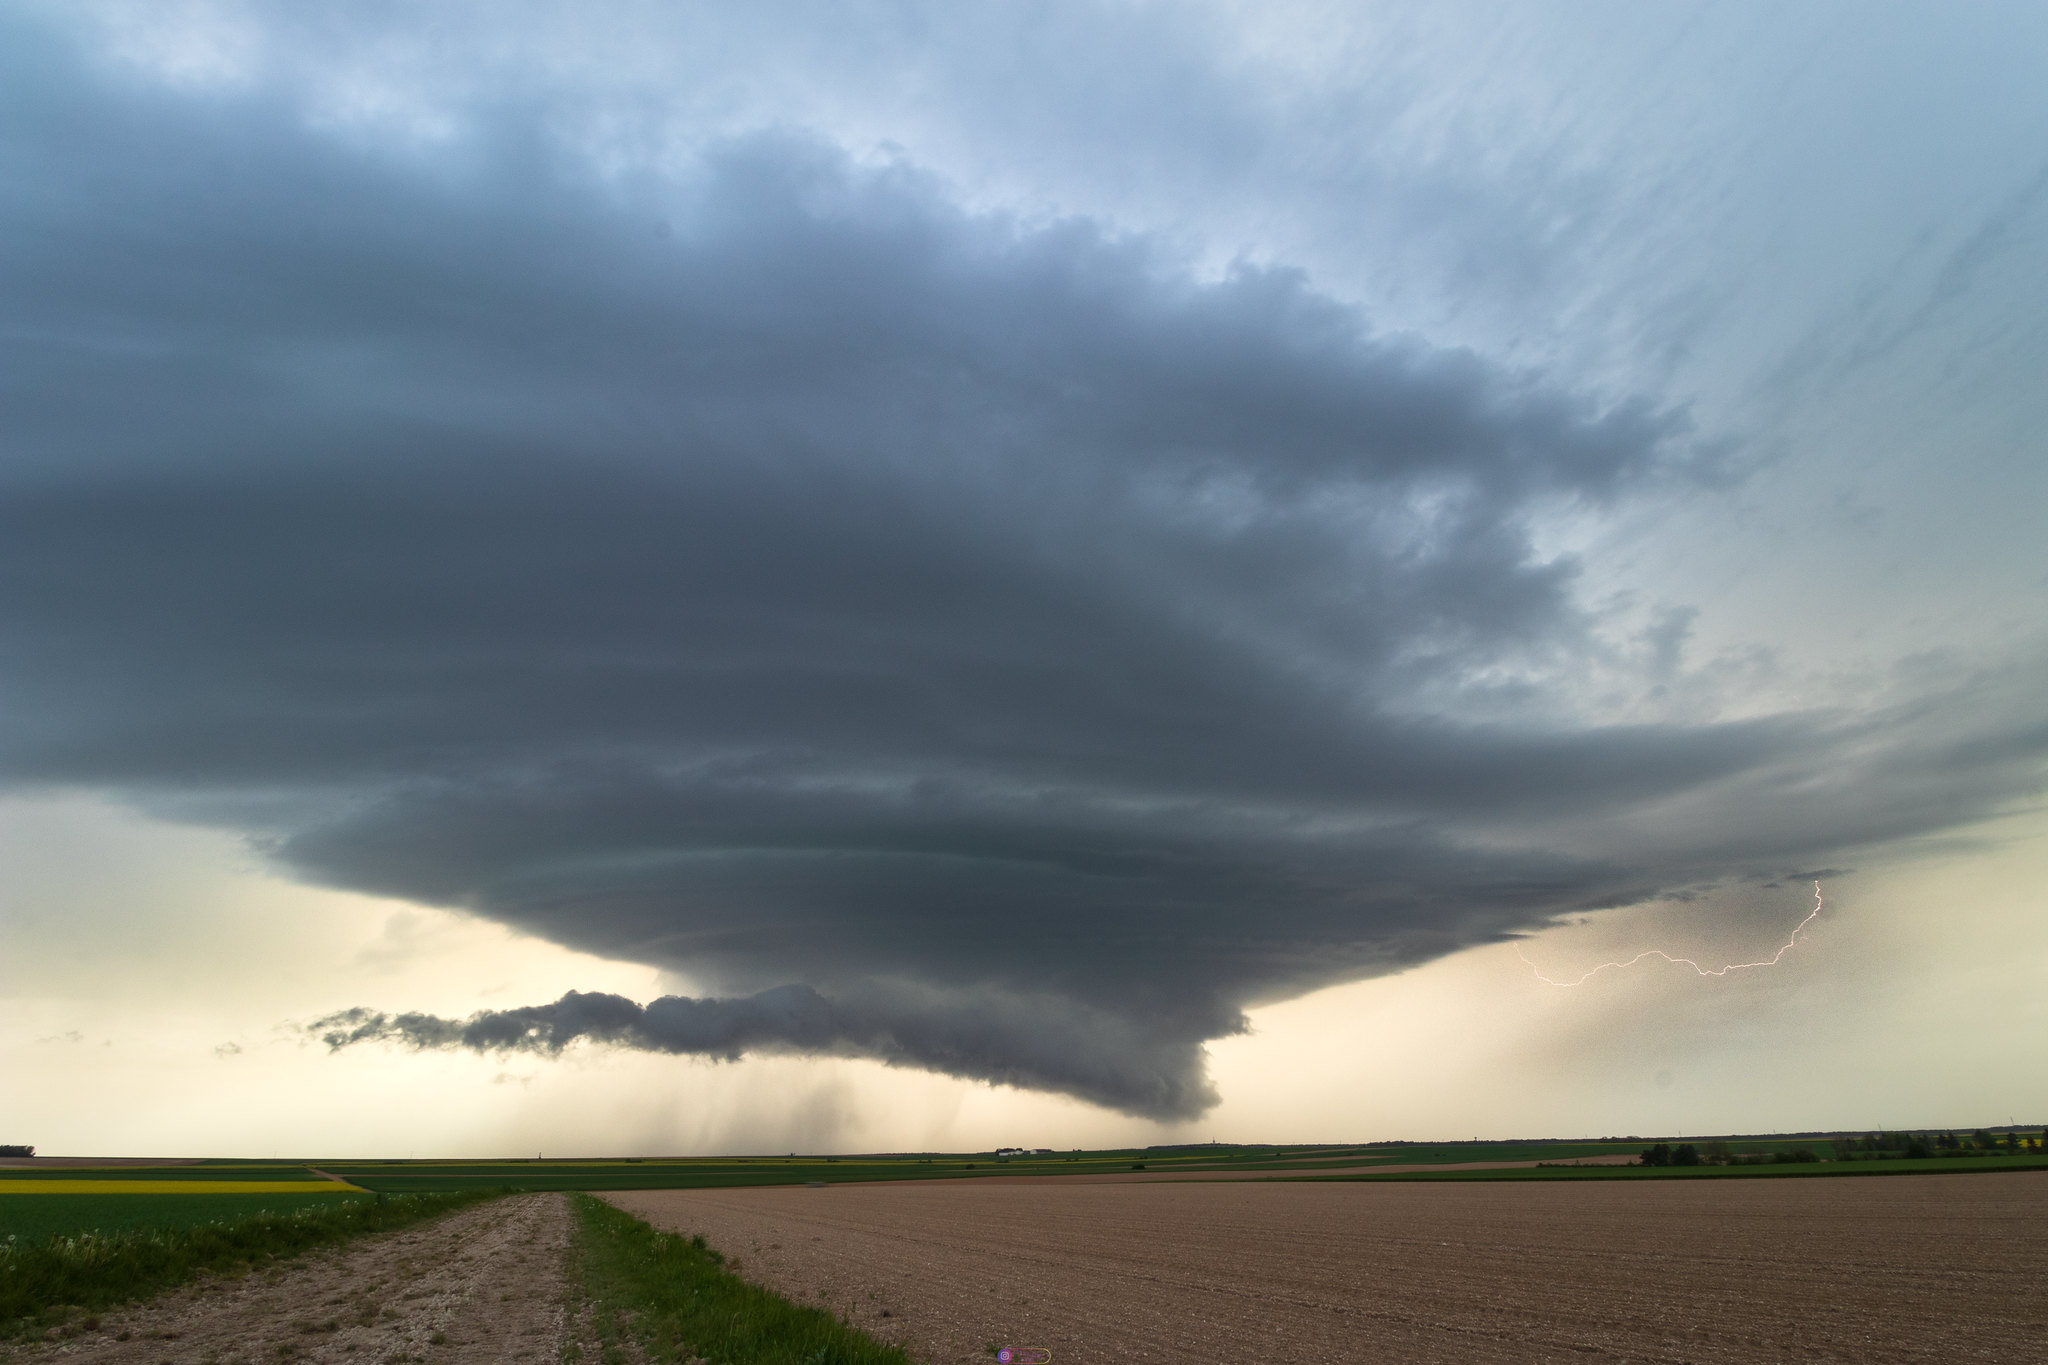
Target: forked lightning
[{"x": 1770, "y": 961}]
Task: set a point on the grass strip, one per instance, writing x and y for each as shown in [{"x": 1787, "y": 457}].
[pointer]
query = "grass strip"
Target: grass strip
[
  {"x": 48, "y": 1280},
  {"x": 676, "y": 1299}
]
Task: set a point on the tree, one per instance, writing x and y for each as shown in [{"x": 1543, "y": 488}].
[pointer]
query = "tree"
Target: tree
[
  {"x": 1660, "y": 1155},
  {"x": 1685, "y": 1155}
]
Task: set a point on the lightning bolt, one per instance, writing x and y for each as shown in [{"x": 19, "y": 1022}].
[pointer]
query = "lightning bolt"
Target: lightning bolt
[{"x": 1770, "y": 961}]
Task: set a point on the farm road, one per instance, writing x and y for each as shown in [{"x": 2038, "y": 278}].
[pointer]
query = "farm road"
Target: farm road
[
  {"x": 486, "y": 1280},
  {"x": 1881, "y": 1269}
]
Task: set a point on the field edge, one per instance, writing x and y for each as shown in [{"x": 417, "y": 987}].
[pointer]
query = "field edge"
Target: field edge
[{"x": 669, "y": 1298}]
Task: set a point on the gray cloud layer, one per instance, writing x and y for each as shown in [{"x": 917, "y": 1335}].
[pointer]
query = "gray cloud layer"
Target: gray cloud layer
[
  {"x": 1047, "y": 1043},
  {"x": 974, "y": 644}
]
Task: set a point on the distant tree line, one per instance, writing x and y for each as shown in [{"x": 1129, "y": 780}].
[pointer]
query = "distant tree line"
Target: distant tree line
[
  {"x": 1721, "y": 1154},
  {"x": 1873, "y": 1147},
  {"x": 1881, "y": 1146},
  {"x": 15, "y": 1149}
]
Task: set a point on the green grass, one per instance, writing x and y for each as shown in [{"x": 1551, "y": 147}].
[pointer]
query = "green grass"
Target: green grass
[
  {"x": 50, "y": 1279},
  {"x": 676, "y": 1300},
  {"x": 28, "y": 1217}
]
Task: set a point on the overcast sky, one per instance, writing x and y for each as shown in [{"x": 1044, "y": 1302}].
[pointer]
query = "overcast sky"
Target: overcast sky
[{"x": 645, "y": 578}]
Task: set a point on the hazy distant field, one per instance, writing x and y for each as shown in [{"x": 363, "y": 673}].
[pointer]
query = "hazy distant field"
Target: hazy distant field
[
  {"x": 719, "y": 1172},
  {"x": 1306, "y": 1254},
  {"x": 69, "y": 1199},
  {"x": 1354, "y": 1162},
  {"x": 698, "y": 1172}
]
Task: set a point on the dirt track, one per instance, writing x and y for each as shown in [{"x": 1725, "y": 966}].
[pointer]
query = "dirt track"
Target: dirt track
[
  {"x": 1871, "y": 1269},
  {"x": 479, "y": 1286}
]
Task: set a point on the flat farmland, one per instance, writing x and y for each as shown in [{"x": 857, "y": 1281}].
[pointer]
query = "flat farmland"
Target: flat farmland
[{"x": 1905, "y": 1268}]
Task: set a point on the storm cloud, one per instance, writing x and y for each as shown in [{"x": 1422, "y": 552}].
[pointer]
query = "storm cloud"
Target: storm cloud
[
  {"x": 977, "y": 642},
  {"x": 1110, "y": 1058}
]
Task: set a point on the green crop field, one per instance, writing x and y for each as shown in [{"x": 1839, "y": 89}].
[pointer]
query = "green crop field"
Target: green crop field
[
  {"x": 654, "y": 1175},
  {"x": 275, "y": 1180},
  {"x": 1279, "y": 1161},
  {"x": 209, "y": 1173},
  {"x": 714, "y": 1172},
  {"x": 28, "y": 1217},
  {"x": 68, "y": 1200}
]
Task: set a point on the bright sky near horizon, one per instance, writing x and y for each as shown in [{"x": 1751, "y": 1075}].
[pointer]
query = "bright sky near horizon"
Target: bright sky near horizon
[{"x": 640, "y": 578}]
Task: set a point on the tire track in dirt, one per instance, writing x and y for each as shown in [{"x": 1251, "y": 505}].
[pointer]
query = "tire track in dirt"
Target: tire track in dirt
[
  {"x": 474, "y": 1287},
  {"x": 1888, "y": 1270}
]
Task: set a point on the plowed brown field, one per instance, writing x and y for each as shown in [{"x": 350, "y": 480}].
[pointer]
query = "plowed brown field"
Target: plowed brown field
[{"x": 1873, "y": 1269}]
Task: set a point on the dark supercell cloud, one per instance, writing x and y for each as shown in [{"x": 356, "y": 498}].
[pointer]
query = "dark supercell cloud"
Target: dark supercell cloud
[{"x": 975, "y": 644}]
